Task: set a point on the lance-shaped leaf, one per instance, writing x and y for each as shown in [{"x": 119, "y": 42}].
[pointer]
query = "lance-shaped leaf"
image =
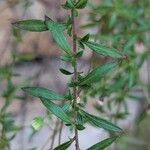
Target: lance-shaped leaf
[
  {"x": 31, "y": 25},
  {"x": 101, "y": 123},
  {"x": 103, "y": 144},
  {"x": 64, "y": 71},
  {"x": 57, "y": 31},
  {"x": 64, "y": 146},
  {"x": 103, "y": 50},
  {"x": 56, "y": 110},
  {"x": 97, "y": 73},
  {"x": 43, "y": 93},
  {"x": 81, "y": 4}
]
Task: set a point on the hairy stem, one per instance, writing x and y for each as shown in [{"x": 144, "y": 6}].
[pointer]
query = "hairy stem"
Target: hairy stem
[{"x": 75, "y": 75}]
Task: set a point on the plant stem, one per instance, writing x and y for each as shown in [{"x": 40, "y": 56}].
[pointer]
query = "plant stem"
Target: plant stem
[
  {"x": 60, "y": 133},
  {"x": 75, "y": 74}
]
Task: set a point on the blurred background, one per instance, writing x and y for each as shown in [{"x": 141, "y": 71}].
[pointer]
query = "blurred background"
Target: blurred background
[{"x": 32, "y": 59}]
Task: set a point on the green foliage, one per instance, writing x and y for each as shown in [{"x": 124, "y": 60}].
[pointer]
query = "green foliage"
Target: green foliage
[
  {"x": 57, "y": 32},
  {"x": 97, "y": 73},
  {"x": 103, "y": 144},
  {"x": 101, "y": 123},
  {"x": 65, "y": 145},
  {"x": 81, "y": 4},
  {"x": 105, "y": 51},
  {"x": 56, "y": 110},
  {"x": 69, "y": 111},
  {"x": 65, "y": 71},
  {"x": 43, "y": 93},
  {"x": 37, "y": 123},
  {"x": 31, "y": 25}
]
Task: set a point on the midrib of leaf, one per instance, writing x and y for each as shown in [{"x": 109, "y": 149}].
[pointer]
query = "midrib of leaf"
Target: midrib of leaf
[
  {"x": 104, "y": 124},
  {"x": 56, "y": 110},
  {"x": 57, "y": 31},
  {"x": 103, "y": 144},
  {"x": 97, "y": 73},
  {"x": 106, "y": 51},
  {"x": 60, "y": 41}
]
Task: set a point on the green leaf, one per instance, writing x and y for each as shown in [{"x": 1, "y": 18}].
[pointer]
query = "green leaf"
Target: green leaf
[
  {"x": 66, "y": 72},
  {"x": 103, "y": 144},
  {"x": 85, "y": 38},
  {"x": 43, "y": 93},
  {"x": 66, "y": 58},
  {"x": 97, "y": 73},
  {"x": 69, "y": 4},
  {"x": 103, "y": 50},
  {"x": 57, "y": 31},
  {"x": 38, "y": 123},
  {"x": 64, "y": 146},
  {"x": 81, "y": 4},
  {"x": 79, "y": 54},
  {"x": 31, "y": 25},
  {"x": 130, "y": 43},
  {"x": 56, "y": 110},
  {"x": 80, "y": 127},
  {"x": 101, "y": 123}
]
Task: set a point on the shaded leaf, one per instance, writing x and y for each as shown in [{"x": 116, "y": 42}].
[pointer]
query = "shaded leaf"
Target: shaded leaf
[
  {"x": 97, "y": 73},
  {"x": 43, "y": 93},
  {"x": 79, "y": 54},
  {"x": 101, "y": 123},
  {"x": 64, "y": 146},
  {"x": 56, "y": 110},
  {"x": 66, "y": 72},
  {"x": 80, "y": 127},
  {"x": 57, "y": 31},
  {"x": 103, "y": 50},
  {"x": 103, "y": 144},
  {"x": 31, "y": 25},
  {"x": 85, "y": 38}
]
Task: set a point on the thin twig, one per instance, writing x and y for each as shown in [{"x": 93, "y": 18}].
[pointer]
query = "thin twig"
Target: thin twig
[
  {"x": 60, "y": 133},
  {"x": 54, "y": 134},
  {"x": 51, "y": 137}
]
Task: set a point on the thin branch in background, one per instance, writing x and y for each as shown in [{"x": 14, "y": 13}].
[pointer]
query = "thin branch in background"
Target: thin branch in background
[
  {"x": 54, "y": 134},
  {"x": 51, "y": 137},
  {"x": 60, "y": 133}
]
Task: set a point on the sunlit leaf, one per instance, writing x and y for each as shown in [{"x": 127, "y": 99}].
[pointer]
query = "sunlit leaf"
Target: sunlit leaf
[{"x": 38, "y": 123}]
